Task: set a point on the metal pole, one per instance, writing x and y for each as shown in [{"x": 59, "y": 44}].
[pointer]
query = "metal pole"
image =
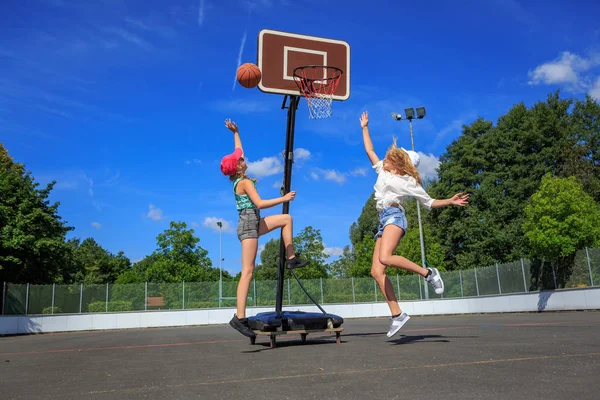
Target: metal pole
[
  {"x": 107, "y": 297},
  {"x": 420, "y": 287},
  {"x": 589, "y": 266},
  {"x": 322, "y": 301},
  {"x": 524, "y": 279},
  {"x": 220, "y": 262},
  {"x": 183, "y": 295},
  {"x": 287, "y": 182},
  {"x": 498, "y": 276},
  {"x": 80, "y": 296},
  {"x": 554, "y": 276},
  {"x": 375, "y": 288},
  {"x": 425, "y": 286},
  {"x": 462, "y": 293},
  {"x": 53, "y": 288},
  {"x": 353, "y": 295},
  {"x": 398, "y": 284},
  {"x": 27, "y": 300},
  {"x": 146, "y": 296},
  {"x": 289, "y": 296},
  {"x": 3, "y": 297},
  {"x": 476, "y": 282}
]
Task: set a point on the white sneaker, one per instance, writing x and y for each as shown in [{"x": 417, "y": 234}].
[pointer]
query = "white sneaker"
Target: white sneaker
[
  {"x": 397, "y": 323},
  {"x": 436, "y": 281}
]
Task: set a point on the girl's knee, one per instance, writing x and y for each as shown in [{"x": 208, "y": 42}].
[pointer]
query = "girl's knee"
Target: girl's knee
[
  {"x": 247, "y": 270},
  {"x": 377, "y": 273},
  {"x": 385, "y": 259}
]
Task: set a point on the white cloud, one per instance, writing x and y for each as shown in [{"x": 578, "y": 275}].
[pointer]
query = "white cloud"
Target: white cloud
[
  {"x": 194, "y": 224},
  {"x": 334, "y": 251},
  {"x": 211, "y": 223},
  {"x": 358, "y": 171},
  {"x": 301, "y": 154},
  {"x": 569, "y": 70},
  {"x": 130, "y": 37},
  {"x": 427, "y": 166},
  {"x": 201, "y": 13},
  {"x": 194, "y": 161},
  {"x": 66, "y": 184},
  {"x": 331, "y": 175},
  {"x": 96, "y": 225},
  {"x": 277, "y": 184},
  {"x": 154, "y": 213},
  {"x": 239, "y": 59},
  {"x": 261, "y": 247},
  {"x": 265, "y": 167},
  {"x": 91, "y": 183},
  {"x": 595, "y": 91}
]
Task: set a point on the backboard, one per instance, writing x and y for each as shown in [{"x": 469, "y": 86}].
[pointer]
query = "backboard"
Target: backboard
[{"x": 279, "y": 53}]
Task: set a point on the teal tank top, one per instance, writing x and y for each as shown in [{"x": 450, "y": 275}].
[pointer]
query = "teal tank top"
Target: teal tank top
[{"x": 242, "y": 201}]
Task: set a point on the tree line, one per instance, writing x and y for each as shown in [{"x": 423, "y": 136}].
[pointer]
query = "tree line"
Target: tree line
[{"x": 534, "y": 179}]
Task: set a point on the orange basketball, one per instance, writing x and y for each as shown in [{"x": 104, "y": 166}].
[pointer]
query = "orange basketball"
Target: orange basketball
[{"x": 248, "y": 75}]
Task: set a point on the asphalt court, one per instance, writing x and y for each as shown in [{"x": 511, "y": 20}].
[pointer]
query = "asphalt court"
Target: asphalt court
[{"x": 497, "y": 356}]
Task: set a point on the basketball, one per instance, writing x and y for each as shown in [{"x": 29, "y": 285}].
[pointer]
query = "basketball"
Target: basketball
[{"x": 248, "y": 75}]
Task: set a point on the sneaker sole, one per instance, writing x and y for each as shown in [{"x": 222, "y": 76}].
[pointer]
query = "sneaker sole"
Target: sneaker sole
[
  {"x": 296, "y": 266},
  {"x": 441, "y": 281},
  {"x": 242, "y": 331},
  {"x": 399, "y": 327}
]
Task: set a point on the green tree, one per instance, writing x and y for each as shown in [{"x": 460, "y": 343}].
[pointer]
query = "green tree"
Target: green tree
[
  {"x": 367, "y": 222},
  {"x": 94, "y": 265},
  {"x": 32, "y": 235},
  {"x": 269, "y": 260},
  {"x": 178, "y": 258},
  {"x": 340, "y": 268},
  {"x": 501, "y": 167},
  {"x": 582, "y": 154},
  {"x": 309, "y": 243},
  {"x": 561, "y": 219}
]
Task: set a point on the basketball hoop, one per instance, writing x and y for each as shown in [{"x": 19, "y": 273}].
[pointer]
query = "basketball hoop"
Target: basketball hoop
[{"x": 318, "y": 83}]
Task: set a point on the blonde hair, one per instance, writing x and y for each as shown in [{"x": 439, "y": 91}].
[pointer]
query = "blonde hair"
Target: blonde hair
[{"x": 401, "y": 162}]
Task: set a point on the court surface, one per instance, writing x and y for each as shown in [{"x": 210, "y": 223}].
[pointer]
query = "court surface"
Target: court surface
[{"x": 500, "y": 356}]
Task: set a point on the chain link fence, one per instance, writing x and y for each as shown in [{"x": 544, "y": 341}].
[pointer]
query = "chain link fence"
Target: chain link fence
[{"x": 518, "y": 277}]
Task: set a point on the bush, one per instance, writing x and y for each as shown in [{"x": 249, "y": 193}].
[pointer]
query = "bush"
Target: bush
[
  {"x": 48, "y": 310},
  {"x": 113, "y": 306}
]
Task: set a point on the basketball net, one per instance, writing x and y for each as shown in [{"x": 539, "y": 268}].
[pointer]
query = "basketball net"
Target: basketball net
[{"x": 317, "y": 84}]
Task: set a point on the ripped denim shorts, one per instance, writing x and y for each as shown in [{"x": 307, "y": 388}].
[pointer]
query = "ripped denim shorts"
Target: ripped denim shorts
[{"x": 391, "y": 215}]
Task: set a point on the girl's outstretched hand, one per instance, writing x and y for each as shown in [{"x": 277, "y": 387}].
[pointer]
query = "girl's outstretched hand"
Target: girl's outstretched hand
[
  {"x": 231, "y": 125},
  {"x": 364, "y": 119},
  {"x": 460, "y": 199}
]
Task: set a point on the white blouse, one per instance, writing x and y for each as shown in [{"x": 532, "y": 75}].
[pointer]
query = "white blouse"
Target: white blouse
[{"x": 391, "y": 188}]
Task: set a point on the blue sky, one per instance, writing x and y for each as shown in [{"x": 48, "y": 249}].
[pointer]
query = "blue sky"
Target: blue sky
[{"x": 123, "y": 102}]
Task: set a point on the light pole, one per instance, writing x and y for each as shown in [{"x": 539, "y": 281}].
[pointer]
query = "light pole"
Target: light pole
[
  {"x": 410, "y": 115},
  {"x": 220, "y": 225}
]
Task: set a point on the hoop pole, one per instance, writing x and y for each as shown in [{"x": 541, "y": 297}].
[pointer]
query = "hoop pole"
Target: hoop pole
[{"x": 287, "y": 183}]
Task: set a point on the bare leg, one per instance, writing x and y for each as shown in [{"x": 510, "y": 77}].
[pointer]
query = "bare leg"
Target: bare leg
[
  {"x": 283, "y": 221},
  {"x": 249, "y": 249},
  {"x": 378, "y": 273},
  {"x": 389, "y": 241}
]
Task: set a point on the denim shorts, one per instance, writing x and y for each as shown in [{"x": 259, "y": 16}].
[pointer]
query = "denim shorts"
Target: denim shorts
[
  {"x": 248, "y": 224},
  {"x": 391, "y": 215}
]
